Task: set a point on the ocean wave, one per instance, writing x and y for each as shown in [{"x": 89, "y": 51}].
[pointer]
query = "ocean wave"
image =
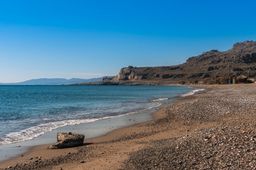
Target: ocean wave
[
  {"x": 192, "y": 92},
  {"x": 36, "y": 131}
]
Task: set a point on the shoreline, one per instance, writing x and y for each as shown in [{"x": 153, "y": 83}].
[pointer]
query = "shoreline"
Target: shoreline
[
  {"x": 26, "y": 150},
  {"x": 33, "y": 151},
  {"x": 46, "y": 125},
  {"x": 12, "y": 150},
  {"x": 123, "y": 120},
  {"x": 191, "y": 132},
  {"x": 151, "y": 116}
]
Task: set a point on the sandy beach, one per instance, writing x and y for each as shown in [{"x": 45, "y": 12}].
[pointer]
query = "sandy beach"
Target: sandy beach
[{"x": 213, "y": 129}]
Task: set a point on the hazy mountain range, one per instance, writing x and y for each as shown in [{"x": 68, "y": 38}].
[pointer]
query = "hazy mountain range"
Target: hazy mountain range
[{"x": 54, "y": 81}]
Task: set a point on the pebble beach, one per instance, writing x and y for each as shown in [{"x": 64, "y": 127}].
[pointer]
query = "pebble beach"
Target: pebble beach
[{"x": 212, "y": 129}]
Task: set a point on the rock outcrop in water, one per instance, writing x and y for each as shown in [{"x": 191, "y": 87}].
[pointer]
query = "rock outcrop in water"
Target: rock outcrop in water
[
  {"x": 237, "y": 65},
  {"x": 67, "y": 140}
]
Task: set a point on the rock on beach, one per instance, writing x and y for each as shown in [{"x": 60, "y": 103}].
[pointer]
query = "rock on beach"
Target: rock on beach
[{"x": 67, "y": 140}]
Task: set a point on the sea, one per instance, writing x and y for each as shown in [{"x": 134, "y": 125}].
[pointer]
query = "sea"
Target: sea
[{"x": 27, "y": 112}]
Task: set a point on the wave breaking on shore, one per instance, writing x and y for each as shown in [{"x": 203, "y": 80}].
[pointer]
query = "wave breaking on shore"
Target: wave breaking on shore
[
  {"x": 36, "y": 131},
  {"x": 192, "y": 92}
]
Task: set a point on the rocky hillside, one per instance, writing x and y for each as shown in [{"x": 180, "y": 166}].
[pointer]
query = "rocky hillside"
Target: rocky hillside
[{"x": 237, "y": 65}]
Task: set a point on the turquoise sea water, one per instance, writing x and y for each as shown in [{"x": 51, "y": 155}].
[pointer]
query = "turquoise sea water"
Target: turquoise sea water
[{"x": 27, "y": 112}]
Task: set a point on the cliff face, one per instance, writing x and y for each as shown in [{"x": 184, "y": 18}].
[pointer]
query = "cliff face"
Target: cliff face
[{"x": 235, "y": 65}]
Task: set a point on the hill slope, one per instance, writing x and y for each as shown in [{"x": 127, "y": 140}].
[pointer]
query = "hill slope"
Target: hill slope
[{"x": 235, "y": 65}]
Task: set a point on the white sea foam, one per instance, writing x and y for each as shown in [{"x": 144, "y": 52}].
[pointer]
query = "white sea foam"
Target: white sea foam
[
  {"x": 192, "y": 92},
  {"x": 35, "y": 131}
]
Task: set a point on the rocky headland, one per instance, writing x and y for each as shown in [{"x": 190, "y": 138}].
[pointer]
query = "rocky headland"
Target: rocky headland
[{"x": 237, "y": 65}]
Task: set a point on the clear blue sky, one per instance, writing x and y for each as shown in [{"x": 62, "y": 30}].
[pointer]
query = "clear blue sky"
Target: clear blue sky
[{"x": 91, "y": 38}]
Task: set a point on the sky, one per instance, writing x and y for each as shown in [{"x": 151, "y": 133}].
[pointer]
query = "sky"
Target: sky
[{"x": 85, "y": 38}]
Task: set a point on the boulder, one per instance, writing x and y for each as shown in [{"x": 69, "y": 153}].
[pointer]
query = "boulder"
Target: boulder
[{"x": 67, "y": 140}]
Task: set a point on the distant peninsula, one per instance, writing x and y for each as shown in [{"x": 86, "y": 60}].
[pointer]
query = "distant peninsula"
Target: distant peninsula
[{"x": 55, "y": 81}]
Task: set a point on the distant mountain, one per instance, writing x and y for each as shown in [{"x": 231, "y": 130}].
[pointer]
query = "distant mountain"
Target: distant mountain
[
  {"x": 55, "y": 81},
  {"x": 237, "y": 65}
]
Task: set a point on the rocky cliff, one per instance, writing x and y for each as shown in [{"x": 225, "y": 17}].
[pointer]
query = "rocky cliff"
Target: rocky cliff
[{"x": 213, "y": 67}]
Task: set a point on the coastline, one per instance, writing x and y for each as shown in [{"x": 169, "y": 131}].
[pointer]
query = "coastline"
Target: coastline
[
  {"x": 42, "y": 151},
  {"x": 45, "y": 132},
  {"x": 22, "y": 149},
  {"x": 91, "y": 129},
  {"x": 195, "y": 131},
  {"x": 42, "y": 142}
]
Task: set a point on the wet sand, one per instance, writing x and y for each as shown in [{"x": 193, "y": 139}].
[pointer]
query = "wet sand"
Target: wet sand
[{"x": 214, "y": 129}]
